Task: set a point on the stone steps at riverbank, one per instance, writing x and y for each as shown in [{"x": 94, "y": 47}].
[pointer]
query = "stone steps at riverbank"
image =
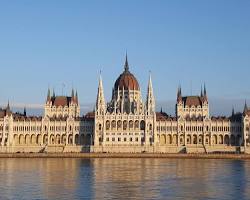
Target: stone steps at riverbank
[{"x": 127, "y": 155}]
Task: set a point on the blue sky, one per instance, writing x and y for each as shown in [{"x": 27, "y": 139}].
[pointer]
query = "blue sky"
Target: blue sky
[{"x": 48, "y": 43}]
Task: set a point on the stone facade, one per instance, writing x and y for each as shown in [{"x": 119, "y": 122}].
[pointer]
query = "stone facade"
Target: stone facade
[{"x": 126, "y": 123}]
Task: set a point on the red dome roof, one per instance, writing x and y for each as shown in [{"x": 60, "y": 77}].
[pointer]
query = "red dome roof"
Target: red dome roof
[{"x": 127, "y": 80}]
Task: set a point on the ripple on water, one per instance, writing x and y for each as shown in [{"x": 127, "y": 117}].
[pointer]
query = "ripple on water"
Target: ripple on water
[{"x": 124, "y": 179}]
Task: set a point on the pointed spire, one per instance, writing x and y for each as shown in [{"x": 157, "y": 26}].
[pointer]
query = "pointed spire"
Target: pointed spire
[
  {"x": 76, "y": 97},
  {"x": 126, "y": 66},
  {"x": 201, "y": 92},
  {"x": 8, "y": 111},
  {"x": 179, "y": 95},
  {"x": 54, "y": 95},
  {"x": 100, "y": 101},
  {"x": 48, "y": 95},
  {"x": 8, "y": 106},
  {"x": 150, "y": 79},
  {"x": 245, "y": 107},
  {"x": 150, "y": 96},
  {"x": 233, "y": 112},
  {"x": 205, "y": 90},
  {"x": 24, "y": 112},
  {"x": 205, "y": 93},
  {"x": 73, "y": 93}
]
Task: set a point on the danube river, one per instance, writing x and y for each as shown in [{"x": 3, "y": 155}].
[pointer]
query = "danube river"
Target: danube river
[{"x": 55, "y": 178}]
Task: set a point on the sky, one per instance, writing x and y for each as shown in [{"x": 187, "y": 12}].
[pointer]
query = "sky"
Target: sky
[{"x": 53, "y": 43}]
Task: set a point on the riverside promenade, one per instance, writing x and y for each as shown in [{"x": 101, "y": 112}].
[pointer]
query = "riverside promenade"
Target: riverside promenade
[{"x": 126, "y": 155}]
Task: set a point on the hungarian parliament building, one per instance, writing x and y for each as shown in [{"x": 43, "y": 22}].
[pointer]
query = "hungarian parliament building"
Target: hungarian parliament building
[{"x": 125, "y": 124}]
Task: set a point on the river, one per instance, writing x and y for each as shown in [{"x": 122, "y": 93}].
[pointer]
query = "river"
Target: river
[{"x": 113, "y": 178}]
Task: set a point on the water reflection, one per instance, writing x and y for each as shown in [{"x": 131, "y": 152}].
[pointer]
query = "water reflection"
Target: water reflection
[{"x": 124, "y": 179}]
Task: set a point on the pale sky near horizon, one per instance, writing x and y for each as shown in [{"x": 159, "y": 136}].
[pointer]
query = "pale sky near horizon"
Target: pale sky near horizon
[{"x": 51, "y": 43}]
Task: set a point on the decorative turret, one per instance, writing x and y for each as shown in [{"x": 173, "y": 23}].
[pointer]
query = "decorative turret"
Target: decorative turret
[
  {"x": 73, "y": 94},
  {"x": 54, "y": 94},
  {"x": 48, "y": 95},
  {"x": 179, "y": 95},
  {"x": 233, "y": 112},
  {"x": 8, "y": 106},
  {"x": 205, "y": 93},
  {"x": 76, "y": 97},
  {"x": 150, "y": 97},
  {"x": 202, "y": 94},
  {"x": 8, "y": 111},
  {"x": 24, "y": 112},
  {"x": 100, "y": 101},
  {"x": 126, "y": 66},
  {"x": 245, "y": 107}
]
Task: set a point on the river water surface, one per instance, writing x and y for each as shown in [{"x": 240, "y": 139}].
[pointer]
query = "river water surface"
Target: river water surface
[{"x": 54, "y": 178}]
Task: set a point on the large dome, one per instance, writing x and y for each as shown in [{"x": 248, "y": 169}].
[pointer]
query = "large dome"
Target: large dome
[{"x": 127, "y": 80}]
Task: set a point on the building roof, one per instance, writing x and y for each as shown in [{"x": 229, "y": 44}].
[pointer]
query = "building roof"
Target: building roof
[
  {"x": 192, "y": 101},
  {"x": 61, "y": 101},
  {"x": 126, "y": 80},
  {"x": 220, "y": 118},
  {"x": 161, "y": 116}
]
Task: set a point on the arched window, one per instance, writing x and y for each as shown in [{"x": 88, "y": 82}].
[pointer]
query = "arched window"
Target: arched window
[
  {"x": 113, "y": 124},
  {"x": 142, "y": 125},
  {"x": 131, "y": 124},
  {"x": 107, "y": 125},
  {"x": 137, "y": 124},
  {"x": 119, "y": 124},
  {"x": 150, "y": 127},
  {"x": 125, "y": 125}
]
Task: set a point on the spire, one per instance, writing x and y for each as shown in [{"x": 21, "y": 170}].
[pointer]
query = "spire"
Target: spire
[
  {"x": 24, "y": 112},
  {"x": 73, "y": 93},
  {"x": 205, "y": 91},
  {"x": 77, "y": 97},
  {"x": 48, "y": 95},
  {"x": 150, "y": 96},
  {"x": 179, "y": 95},
  {"x": 54, "y": 95},
  {"x": 201, "y": 92},
  {"x": 126, "y": 66},
  {"x": 245, "y": 107},
  {"x": 8, "y": 111},
  {"x": 8, "y": 106},
  {"x": 233, "y": 113},
  {"x": 100, "y": 101}
]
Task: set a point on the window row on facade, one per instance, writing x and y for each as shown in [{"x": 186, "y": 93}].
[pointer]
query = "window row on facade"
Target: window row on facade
[{"x": 119, "y": 125}]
